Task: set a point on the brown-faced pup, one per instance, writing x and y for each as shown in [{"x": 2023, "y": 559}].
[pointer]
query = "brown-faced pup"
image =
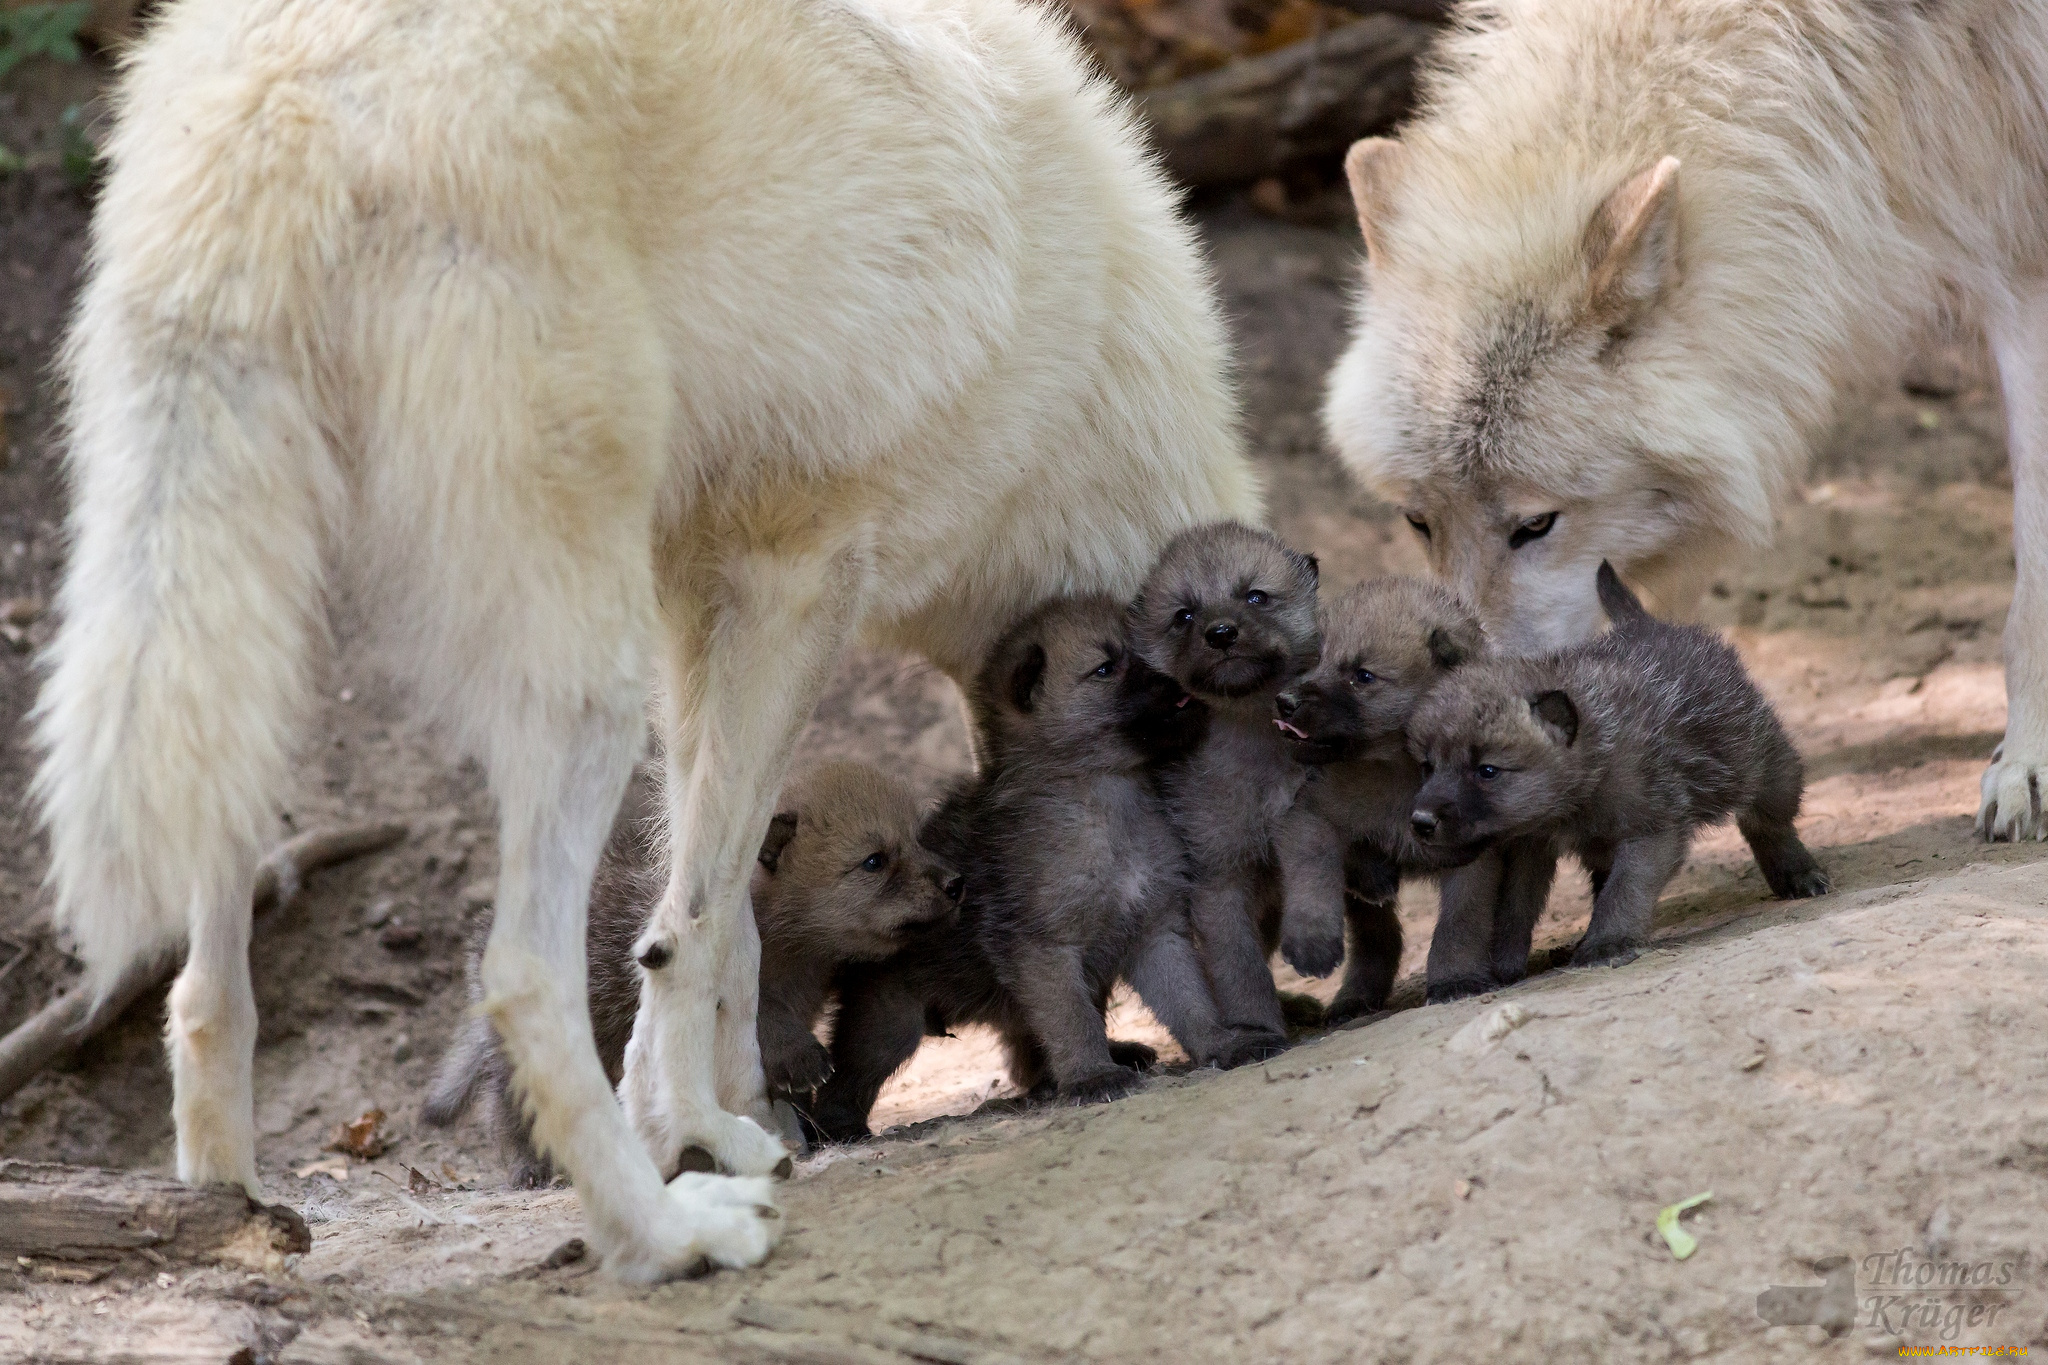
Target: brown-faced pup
[
  {"x": 841, "y": 877},
  {"x": 1230, "y": 614},
  {"x": 1347, "y": 843},
  {"x": 1617, "y": 751},
  {"x": 1075, "y": 877}
]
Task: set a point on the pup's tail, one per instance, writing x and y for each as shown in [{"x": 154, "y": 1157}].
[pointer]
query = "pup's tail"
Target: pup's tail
[
  {"x": 461, "y": 1073},
  {"x": 1623, "y": 607},
  {"x": 202, "y": 493}
]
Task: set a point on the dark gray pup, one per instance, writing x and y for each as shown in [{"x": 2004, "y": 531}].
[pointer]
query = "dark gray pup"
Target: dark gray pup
[
  {"x": 1230, "y": 614},
  {"x": 1348, "y": 842},
  {"x": 1617, "y": 751},
  {"x": 841, "y": 877},
  {"x": 1075, "y": 877}
]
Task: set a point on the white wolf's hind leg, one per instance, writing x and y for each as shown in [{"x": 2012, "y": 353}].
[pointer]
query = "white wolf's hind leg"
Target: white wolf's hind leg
[
  {"x": 211, "y": 1038},
  {"x": 750, "y": 648},
  {"x": 2011, "y": 805}
]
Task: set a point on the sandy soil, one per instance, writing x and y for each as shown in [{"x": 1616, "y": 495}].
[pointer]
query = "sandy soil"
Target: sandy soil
[{"x": 1853, "y": 1076}]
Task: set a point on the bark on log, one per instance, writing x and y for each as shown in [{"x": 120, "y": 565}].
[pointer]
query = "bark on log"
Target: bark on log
[
  {"x": 1253, "y": 117},
  {"x": 77, "y": 1213},
  {"x": 72, "y": 1017}
]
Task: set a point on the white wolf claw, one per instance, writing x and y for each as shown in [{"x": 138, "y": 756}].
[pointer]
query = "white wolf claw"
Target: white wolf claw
[
  {"x": 2011, "y": 805},
  {"x": 709, "y": 1220}
]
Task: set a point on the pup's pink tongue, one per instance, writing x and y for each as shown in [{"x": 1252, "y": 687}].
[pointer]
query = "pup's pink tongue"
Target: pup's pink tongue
[
  {"x": 1285, "y": 728},
  {"x": 1184, "y": 701}
]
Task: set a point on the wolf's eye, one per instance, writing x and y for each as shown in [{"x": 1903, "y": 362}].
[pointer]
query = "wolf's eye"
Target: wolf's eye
[
  {"x": 1104, "y": 669},
  {"x": 1184, "y": 616},
  {"x": 1255, "y": 598},
  {"x": 1531, "y": 528},
  {"x": 1487, "y": 772},
  {"x": 1421, "y": 526},
  {"x": 875, "y": 861},
  {"x": 1363, "y": 676}
]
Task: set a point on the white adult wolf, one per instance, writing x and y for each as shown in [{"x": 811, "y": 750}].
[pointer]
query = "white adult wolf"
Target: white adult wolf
[
  {"x": 1625, "y": 259},
  {"x": 610, "y": 342}
]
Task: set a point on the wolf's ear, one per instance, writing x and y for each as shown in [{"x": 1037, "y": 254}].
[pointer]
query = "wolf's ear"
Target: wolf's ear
[
  {"x": 1026, "y": 676},
  {"x": 1372, "y": 166},
  {"x": 781, "y": 829},
  {"x": 1451, "y": 646},
  {"x": 1554, "y": 712},
  {"x": 1631, "y": 247}
]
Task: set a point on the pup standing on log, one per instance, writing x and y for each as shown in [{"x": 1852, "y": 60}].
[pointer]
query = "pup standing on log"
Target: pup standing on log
[
  {"x": 604, "y": 347},
  {"x": 841, "y": 877},
  {"x": 1348, "y": 841},
  {"x": 1617, "y": 751},
  {"x": 1075, "y": 877},
  {"x": 1230, "y": 614}
]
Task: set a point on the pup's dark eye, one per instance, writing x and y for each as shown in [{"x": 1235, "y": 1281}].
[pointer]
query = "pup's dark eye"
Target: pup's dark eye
[
  {"x": 1183, "y": 617},
  {"x": 1532, "y": 528},
  {"x": 875, "y": 861},
  {"x": 1421, "y": 526},
  {"x": 1363, "y": 676},
  {"x": 1104, "y": 669},
  {"x": 1255, "y": 598},
  {"x": 1487, "y": 772}
]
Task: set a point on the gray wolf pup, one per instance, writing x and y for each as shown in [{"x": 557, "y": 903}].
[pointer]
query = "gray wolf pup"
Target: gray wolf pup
[
  {"x": 1230, "y": 614},
  {"x": 1628, "y": 254},
  {"x": 840, "y": 878},
  {"x": 1617, "y": 751},
  {"x": 608, "y": 347},
  {"x": 1075, "y": 877},
  {"x": 1348, "y": 842}
]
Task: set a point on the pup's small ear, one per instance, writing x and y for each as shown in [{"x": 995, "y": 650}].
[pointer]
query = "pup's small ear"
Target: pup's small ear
[
  {"x": 1631, "y": 247},
  {"x": 1554, "y": 712},
  {"x": 1449, "y": 648},
  {"x": 1373, "y": 166},
  {"x": 1026, "y": 676},
  {"x": 781, "y": 829},
  {"x": 1311, "y": 567}
]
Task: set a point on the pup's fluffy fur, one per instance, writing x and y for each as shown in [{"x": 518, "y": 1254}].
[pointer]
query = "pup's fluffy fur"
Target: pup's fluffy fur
[
  {"x": 1348, "y": 841},
  {"x": 639, "y": 341},
  {"x": 1230, "y": 614},
  {"x": 1630, "y": 251},
  {"x": 841, "y": 877},
  {"x": 1075, "y": 877},
  {"x": 1617, "y": 751}
]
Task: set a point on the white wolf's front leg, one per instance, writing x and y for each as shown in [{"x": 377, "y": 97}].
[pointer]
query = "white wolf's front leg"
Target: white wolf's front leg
[
  {"x": 751, "y": 647},
  {"x": 2012, "y": 796}
]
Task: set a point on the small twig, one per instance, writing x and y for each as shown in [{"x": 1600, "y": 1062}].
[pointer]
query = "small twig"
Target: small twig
[{"x": 72, "y": 1017}]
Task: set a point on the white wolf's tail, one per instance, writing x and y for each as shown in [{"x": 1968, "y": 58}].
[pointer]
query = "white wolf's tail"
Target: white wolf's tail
[{"x": 202, "y": 489}]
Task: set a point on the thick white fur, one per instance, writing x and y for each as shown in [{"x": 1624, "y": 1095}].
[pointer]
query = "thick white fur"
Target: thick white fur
[
  {"x": 618, "y": 343},
  {"x": 1844, "y": 167}
]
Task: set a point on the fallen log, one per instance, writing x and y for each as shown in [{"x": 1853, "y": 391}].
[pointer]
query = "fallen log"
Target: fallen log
[
  {"x": 74, "y": 1214},
  {"x": 74, "y": 1016},
  {"x": 1312, "y": 99}
]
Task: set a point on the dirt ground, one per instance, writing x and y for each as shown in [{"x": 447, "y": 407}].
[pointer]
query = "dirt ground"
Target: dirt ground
[{"x": 1858, "y": 1076}]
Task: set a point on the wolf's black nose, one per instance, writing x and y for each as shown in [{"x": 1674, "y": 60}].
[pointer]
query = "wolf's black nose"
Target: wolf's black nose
[
  {"x": 1222, "y": 635},
  {"x": 1287, "y": 704},
  {"x": 1424, "y": 823}
]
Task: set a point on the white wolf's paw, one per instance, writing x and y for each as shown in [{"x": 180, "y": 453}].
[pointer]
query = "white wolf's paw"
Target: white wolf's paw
[
  {"x": 2011, "y": 806},
  {"x": 736, "y": 1145},
  {"x": 706, "y": 1221}
]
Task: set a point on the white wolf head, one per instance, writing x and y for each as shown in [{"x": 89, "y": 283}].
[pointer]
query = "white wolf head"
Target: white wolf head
[{"x": 1529, "y": 382}]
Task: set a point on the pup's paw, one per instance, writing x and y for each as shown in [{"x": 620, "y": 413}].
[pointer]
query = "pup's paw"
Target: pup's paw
[
  {"x": 800, "y": 1071},
  {"x": 1458, "y": 988},
  {"x": 1247, "y": 1045},
  {"x": 704, "y": 1221},
  {"x": 1315, "y": 953},
  {"x": 1103, "y": 1085},
  {"x": 1805, "y": 884},
  {"x": 1345, "y": 1008},
  {"x": 1132, "y": 1056},
  {"x": 1302, "y": 1011},
  {"x": 1613, "y": 952},
  {"x": 2010, "y": 808}
]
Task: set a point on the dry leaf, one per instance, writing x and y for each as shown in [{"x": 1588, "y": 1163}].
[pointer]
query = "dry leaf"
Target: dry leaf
[
  {"x": 419, "y": 1182},
  {"x": 336, "y": 1166},
  {"x": 361, "y": 1138}
]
